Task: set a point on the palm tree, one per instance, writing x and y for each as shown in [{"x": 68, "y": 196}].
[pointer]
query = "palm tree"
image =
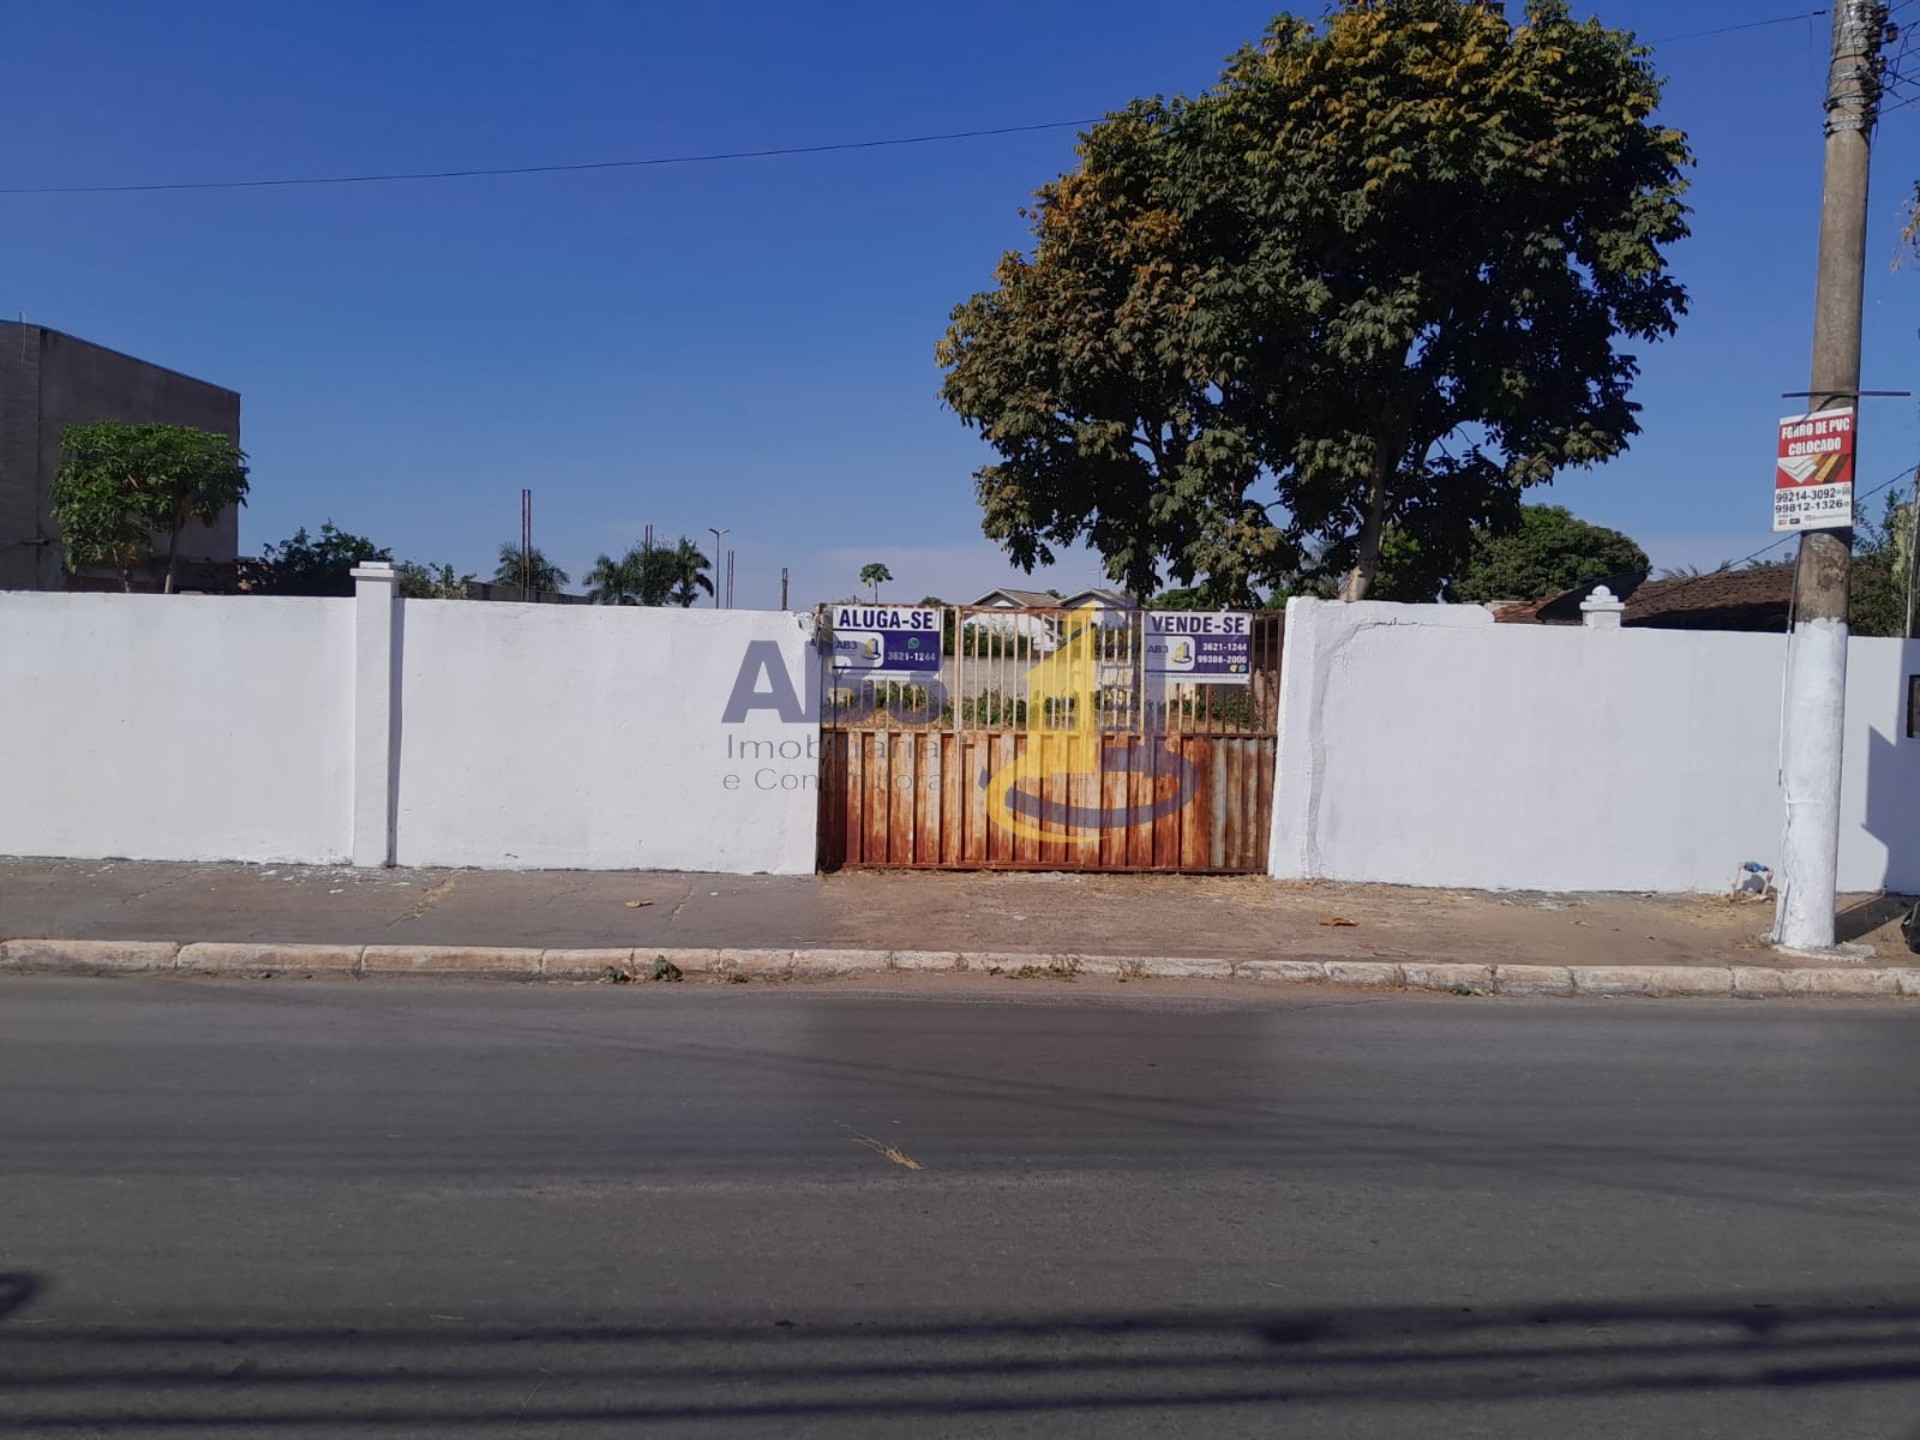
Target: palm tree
[
  {"x": 546, "y": 576},
  {"x": 689, "y": 569},
  {"x": 875, "y": 575},
  {"x": 616, "y": 582}
]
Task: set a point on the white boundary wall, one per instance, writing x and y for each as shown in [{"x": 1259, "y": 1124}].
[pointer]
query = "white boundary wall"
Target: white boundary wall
[
  {"x": 591, "y": 737},
  {"x": 175, "y": 727},
  {"x": 424, "y": 732},
  {"x": 1427, "y": 745}
]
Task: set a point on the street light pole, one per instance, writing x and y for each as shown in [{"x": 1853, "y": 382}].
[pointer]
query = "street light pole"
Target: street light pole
[{"x": 714, "y": 564}]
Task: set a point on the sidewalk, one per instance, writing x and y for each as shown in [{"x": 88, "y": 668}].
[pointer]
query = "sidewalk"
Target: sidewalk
[{"x": 373, "y": 920}]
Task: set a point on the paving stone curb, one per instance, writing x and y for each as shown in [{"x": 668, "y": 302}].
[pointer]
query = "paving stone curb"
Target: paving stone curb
[{"x": 94, "y": 957}]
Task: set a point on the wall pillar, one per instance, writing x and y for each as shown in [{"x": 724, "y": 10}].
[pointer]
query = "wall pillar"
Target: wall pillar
[
  {"x": 376, "y": 624},
  {"x": 1602, "y": 610}
]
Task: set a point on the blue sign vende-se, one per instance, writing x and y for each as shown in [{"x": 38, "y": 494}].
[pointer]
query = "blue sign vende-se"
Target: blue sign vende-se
[
  {"x": 886, "y": 640},
  {"x": 1213, "y": 647}
]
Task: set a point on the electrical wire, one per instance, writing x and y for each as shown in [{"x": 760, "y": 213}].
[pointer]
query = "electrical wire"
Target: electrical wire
[
  {"x": 657, "y": 161},
  {"x": 494, "y": 170},
  {"x": 1744, "y": 561},
  {"x": 1749, "y": 25}
]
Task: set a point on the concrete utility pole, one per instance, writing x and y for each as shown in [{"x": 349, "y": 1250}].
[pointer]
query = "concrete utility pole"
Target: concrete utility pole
[
  {"x": 1913, "y": 560},
  {"x": 1817, "y": 652}
]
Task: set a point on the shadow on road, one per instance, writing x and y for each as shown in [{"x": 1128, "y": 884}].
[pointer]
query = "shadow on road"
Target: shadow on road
[{"x": 461, "y": 1375}]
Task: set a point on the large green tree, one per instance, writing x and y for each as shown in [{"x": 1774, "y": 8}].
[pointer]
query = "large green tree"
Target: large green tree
[
  {"x": 1379, "y": 277},
  {"x": 121, "y": 485}
]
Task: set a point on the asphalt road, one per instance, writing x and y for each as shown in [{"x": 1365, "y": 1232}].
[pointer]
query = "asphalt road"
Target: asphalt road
[{"x": 337, "y": 1209}]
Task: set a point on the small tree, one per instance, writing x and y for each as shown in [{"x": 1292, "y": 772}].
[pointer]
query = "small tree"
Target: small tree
[
  {"x": 874, "y": 576},
  {"x": 431, "y": 582},
  {"x": 1882, "y": 560},
  {"x": 121, "y": 484},
  {"x": 615, "y": 582},
  {"x": 1549, "y": 550},
  {"x": 312, "y": 565},
  {"x": 538, "y": 576}
]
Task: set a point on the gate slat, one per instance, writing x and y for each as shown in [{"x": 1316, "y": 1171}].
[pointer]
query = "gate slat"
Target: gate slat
[
  {"x": 1026, "y": 846},
  {"x": 1194, "y": 816},
  {"x": 1226, "y": 799},
  {"x": 878, "y": 820},
  {"x": 975, "y": 755},
  {"x": 953, "y": 803},
  {"x": 927, "y": 794},
  {"x": 853, "y": 776},
  {"x": 900, "y": 797},
  {"x": 1237, "y": 800},
  {"x": 1142, "y": 790},
  {"x": 1084, "y": 794},
  {"x": 1166, "y": 827},
  {"x": 1112, "y": 850}
]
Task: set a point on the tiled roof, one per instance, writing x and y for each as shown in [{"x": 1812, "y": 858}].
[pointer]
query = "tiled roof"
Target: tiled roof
[
  {"x": 1758, "y": 598},
  {"x": 1029, "y": 599}
]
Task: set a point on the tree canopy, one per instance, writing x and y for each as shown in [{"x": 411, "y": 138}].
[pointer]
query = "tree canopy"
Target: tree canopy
[
  {"x": 540, "y": 576},
  {"x": 1550, "y": 550},
  {"x": 1378, "y": 277},
  {"x": 120, "y": 485},
  {"x": 874, "y": 576},
  {"x": 312, "y": 565},
  {"x": 1882, "y": 569},
  {"x": 657, "y": 575}
]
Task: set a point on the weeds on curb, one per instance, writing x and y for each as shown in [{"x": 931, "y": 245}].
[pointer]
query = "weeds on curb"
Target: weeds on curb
[
  {"x": 665, "y": 969},
  {"x": 1064, "y": 968},
  {"x": 614, "y": 975}
]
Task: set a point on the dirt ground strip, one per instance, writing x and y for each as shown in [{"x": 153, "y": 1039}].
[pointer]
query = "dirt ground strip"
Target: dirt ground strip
[{"x": 1159, "y": 915}]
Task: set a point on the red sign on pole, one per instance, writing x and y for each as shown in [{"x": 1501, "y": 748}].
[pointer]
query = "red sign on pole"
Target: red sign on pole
[{"x": 1813, "y": 477}]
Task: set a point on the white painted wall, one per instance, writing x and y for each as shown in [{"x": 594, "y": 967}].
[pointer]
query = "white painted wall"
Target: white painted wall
[
  {"x": 592, "y": 737},
  {"x": 175, "y": 727},
  {"x": 1426, "y": 745}
]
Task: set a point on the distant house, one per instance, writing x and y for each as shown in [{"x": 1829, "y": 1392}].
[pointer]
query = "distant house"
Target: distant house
[
  {"x": 1017, "y": 600},
  {"x": 1756, "y": 599},
  {"x": 1042, "y": 631},
  {"x": 1047, "y": 600}
]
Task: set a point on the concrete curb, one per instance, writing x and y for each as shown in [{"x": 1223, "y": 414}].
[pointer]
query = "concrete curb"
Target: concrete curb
[{"x": 96, "y": 957}]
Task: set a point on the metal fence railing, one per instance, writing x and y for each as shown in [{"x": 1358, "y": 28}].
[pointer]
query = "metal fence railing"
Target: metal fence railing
[{"x": 1041, "y": 671}]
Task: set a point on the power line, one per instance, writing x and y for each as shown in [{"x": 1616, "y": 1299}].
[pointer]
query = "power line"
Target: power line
[
  {"x": 1749, "y": 25},
  {"x": 1732, "y": 566},
  {"x": 657, "y": 161},
  {"x": 648, "y": 163}
]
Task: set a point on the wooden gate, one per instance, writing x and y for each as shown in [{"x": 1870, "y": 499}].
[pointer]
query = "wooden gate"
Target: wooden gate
[{"x": 1048, "y": 743}]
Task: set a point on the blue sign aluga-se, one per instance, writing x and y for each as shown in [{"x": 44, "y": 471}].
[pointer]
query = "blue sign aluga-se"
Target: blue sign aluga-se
[{"x": 886, "y": 640}]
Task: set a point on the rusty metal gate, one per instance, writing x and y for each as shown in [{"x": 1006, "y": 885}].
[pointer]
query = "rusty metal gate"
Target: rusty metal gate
[{"x": 1049, "y": 743}]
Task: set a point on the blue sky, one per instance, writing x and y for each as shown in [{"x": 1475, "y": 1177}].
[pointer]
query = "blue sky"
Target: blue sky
[{"x": 750, "y": 344}]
